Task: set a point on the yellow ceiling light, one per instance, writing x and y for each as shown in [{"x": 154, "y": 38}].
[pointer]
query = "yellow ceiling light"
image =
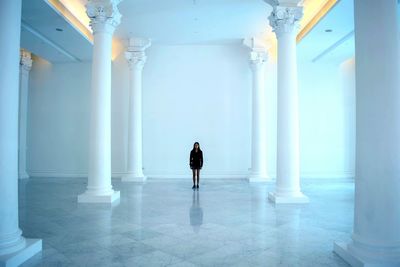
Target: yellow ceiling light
[{"x": 314, "y": 11}]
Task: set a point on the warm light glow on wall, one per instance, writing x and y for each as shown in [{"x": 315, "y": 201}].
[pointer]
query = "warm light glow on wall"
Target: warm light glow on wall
[{"x": 117, "y": 48}]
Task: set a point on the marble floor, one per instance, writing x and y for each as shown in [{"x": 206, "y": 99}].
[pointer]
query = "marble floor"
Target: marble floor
[{"x": 166, "y": 223}]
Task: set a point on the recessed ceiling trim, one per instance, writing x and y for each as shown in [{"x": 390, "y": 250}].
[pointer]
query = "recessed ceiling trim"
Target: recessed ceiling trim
[
  {"x": 333, "y": 47},
  {"x": 26, "y": 27},
  {"x": 320, "y": 14},
  {"x": 70, "y": 18}
]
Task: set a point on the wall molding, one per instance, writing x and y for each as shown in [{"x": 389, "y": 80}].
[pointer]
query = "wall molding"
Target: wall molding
[
  {"x": 56, "y": 174},
  {"x": 206, "y": 176},
  {"x": 209, "y": 175},
  {"x": 328, "y": 175}
]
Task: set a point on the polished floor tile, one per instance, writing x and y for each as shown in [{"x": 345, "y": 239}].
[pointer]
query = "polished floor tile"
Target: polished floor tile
[{"x": 166, "y": 223}]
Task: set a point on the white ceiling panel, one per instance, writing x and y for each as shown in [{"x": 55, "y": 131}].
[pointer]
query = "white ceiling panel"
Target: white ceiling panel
[{"x": 193, "y": 21}]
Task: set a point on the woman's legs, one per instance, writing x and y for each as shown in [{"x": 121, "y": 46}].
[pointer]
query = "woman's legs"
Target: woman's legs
[
  {"x": 196, "y": 173},
  {"x": 194, "y": 176}
]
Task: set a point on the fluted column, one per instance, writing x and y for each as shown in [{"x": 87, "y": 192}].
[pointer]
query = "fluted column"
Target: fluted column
[
  {"x": 14, "y": 249},
  {"x": 104, "y": 18},
  {"x": 284, "y": 21},
  {"x": 25, "y": 66},
  {"x": 136, "y": 58},
  {"x": 376, "y": 233}
]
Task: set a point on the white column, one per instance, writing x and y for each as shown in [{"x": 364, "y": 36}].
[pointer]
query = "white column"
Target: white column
[
  {"x": 284, "y": 21},
  {"x": 258, "y": 57},
  {"x": 25, "y": 66},
  {"x": 104, "y": 18},
  {"x": 136, "y": 58},
  {"x": 14, "y": 249},
  {"x": 376, "y": 234}
]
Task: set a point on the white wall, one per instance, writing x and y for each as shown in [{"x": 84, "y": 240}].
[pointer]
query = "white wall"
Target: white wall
[
  {"x": 196, "y": 93},
  {"x": 58, "y": 119},
  {"x": 190, "y": 93},
  {"x": 327, "y": 110}
]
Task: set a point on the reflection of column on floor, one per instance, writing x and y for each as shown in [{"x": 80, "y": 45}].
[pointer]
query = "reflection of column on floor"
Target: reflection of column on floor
[
  {"x": 287, "y": 222},
  {"x": 134, "y": 197},
  {"x": 284, "y": 20},
  {"x": 14, "y": 248},
  {"x": 32, "y": 219},
  {"x": 196, "y": 212},
  {"x": 104, "y": 18},
  {"x": 376, "y": 234},
  {"x": 99, "y": 231},
  {"x": 258, "y": 57},
  {"x": 24, "y": 69},
  {"x": 259, "y": 207}
]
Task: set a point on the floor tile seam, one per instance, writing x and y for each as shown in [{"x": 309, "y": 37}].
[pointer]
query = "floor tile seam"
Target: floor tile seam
[
  {"x": 176, "y": 255},
  {"x": 147, "y": 255}
]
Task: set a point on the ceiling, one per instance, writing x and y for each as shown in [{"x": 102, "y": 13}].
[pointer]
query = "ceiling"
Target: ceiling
[
  {"x": 39, "y": 34},
  {"x": 193, "y": 21},
  {"x": 181, "y": 22},
  {"x": 332, "y": 39}
]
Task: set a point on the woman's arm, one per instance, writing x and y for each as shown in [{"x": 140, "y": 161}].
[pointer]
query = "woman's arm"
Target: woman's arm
[{"x": 201, "y": 159}]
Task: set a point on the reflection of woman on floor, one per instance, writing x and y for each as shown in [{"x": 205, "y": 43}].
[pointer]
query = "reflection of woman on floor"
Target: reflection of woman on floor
[
  {"x": 196, "y": 163},
  {"x": 196, "y": 212}
]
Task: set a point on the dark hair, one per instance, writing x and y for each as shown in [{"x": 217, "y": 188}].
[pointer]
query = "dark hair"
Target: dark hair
[{"x": 195, "y": 145}]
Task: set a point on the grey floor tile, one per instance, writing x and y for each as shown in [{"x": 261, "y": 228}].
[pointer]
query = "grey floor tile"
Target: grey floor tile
[{"x": 222, "y": 224}]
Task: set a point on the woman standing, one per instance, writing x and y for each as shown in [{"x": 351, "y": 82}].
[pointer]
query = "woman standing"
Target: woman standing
[{"x": 196, "y": 163}]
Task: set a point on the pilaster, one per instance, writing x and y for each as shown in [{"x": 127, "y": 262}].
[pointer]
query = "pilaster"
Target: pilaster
[{"x": 25, "y": 67}]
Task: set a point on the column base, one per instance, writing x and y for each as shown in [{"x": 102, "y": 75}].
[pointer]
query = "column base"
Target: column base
[
  {"x": 258, "y": 179},
  {"x": 90, "y": 198},
  {"x": 134, "y": 178},
  {"x": 342, "y": 250},
  {"x": 298, "y": 198},
  {"x": 31, "y": 248},
  {"x": 23, "y": 175}
]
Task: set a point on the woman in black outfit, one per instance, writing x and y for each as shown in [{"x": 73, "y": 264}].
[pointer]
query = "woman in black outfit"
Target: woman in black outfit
[{"x": 196, "y": 163}]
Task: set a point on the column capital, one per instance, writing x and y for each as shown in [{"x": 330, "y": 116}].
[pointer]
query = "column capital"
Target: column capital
[
  {"x": 135, "y": 54},
  {"x": 25, "y": 60},
  {"x": 285, "y": 19},
  {"x": 104, "y": 15},
  {"x": 258, "y": 58},
  {"x": 258, "y": 53},
  {"x": 135, "y": 59}
]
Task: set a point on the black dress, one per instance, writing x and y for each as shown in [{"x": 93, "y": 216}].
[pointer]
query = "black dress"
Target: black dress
[{"x": 196, "y": 159}]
